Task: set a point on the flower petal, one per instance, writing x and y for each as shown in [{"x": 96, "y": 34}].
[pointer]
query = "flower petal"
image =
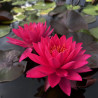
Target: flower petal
[
  {"x": 35, "y": 73},
  {"x": 72, "y": 75},
  {"x": 37, "y": 59},
  {"x": 39, "y": 71},
  {"x": 83, "y": 69},
  {"x": 65, "y": 86},
  {"x": 53, "y": 79},
  {"x": 54, "y": 63},
  {"x": 47, "y": 85},
  {"x": 68, "y": 65},
  {"x": 24, "y": 55},
  {"x": 79, "y": 64},
  {"x": 17, "y": 42},
  {"x": 61, "y": 72}
]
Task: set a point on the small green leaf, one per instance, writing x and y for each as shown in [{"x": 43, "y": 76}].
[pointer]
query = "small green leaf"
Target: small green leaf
[
  {"x": 4, "y": 30},
  {"x": 94, "y": 32},
  {"x": 29, "y": 8},
  {"x": 43, "y": 6},
  {"x": 88, "y": 0},
  {"x": 72, "y": 7},
  {"x": 19, "y": 2},
  {"x": 90, "y": 10},
  {"x": 19, "y": 17},
  {"x": 18, "y": 10}
]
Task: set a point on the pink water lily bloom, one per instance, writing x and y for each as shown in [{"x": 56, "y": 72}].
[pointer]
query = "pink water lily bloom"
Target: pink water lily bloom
[
  {"x": 29, "y": 34},
  {"x": 61, "y": 60}
]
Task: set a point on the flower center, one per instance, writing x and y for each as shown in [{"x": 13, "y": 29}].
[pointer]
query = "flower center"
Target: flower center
[{"x": 58, "y": 48}]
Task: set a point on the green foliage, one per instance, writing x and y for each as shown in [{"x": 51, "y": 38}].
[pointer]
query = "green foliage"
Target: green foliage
[
  {"x": 4, "y": 30},
  {"x": 94, "y": 32},
  {"x": 91, "y": 10}
]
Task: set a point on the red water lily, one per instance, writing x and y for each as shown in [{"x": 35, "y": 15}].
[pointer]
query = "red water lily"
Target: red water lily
[
  {"x": 29, "y": 34},
  {"x": 61, "y": 60}
]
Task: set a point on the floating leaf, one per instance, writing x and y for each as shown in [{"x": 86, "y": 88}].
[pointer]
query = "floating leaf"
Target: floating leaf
[
  {"x": 29, "y": 8},
  {"x": 74, "y": 21},
  {"x": 5, "y": 1},
  {"x": 19, "y": 17},
  {"x": 4, "y": 30},
  {"x": 58, "y": 10},
  {"x": 89, "y": 18},
  {"x": 88, "y": 0},
  {"x": 5, "y": 16},
  {"x": 94, "y": 32},
  {"x": 43, "y": 6},
  {"x": 72, "y": 7},
  {"x": 90, "y": 10},
  {"x": 18, "y": 10},
  {"x": 10, "y": 68},
  {"x": 45, "y": 12},
  {"x": 19, "y": 3},
  {"x": 68, "y": 21}
]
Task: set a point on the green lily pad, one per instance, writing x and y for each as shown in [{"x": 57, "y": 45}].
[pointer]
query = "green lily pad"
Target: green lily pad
[
  {"x": 88, "y": 0},
  {"x": 5, "y": 1},
  {"x": 18, "y": 10},
  {"x": 72, "y": 7},
  {"x": 19, "y": 2},
  {"x": 94, "y": 32},
  {"x": 45, "y": 12},
  {"x": 32, "y": 20},
  {"x": 4, "y": 30},
  {"x": 90, "y": 10},
  {"x": 43, "y": 6},
  {"x": 19, "y": 17},
  {"x": 29, "y": 8}
]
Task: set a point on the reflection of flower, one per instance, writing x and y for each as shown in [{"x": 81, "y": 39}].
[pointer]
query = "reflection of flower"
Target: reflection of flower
[
  {"x": 29, "y": 34},
  {"x": 61, "y": 60}
]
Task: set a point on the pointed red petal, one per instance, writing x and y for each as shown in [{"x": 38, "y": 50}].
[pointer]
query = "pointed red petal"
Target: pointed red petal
[
  {"x": 35, "y": 73},
  {"x": 68, "y": 65},
  {"x": 83, "y": 69},
  {"x": 65, "y": 86},
  {"x": 24, "y": 55},
  {"x": 72, "y": 75},
  {"x": 47, "y": 85},
  {"x": 53, "y": 79}
]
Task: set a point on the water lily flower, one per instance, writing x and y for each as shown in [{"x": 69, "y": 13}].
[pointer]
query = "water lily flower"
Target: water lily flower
[
  {"x": 60, "y": 60},
  {"x": 29, "y": 34}
]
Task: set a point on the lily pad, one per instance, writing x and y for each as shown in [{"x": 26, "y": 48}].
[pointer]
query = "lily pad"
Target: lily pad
[
  {"x": 19, "y": 3},
  {"x": 18, "y": 10},
  {"x": 45, "y": 12},
  {"x": 72, "y": 7},
  {"x": 19, "y": 17},
  {"x": 58, "y": 10},
  {"x": 89, "y": 18},
  {"x": 90, "y": 10},
  {"x": 4, "y": 30},
  {"x": 29, "y": 8},
  {"x": 94, "y": 32},
  {"x": 5, "y": 16},
  {"x": 43, "y": 6},
  {"x": 88, "y": 0},
  {"x": 5, "y": 1},
  {"x": 10, "y": 68}
]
